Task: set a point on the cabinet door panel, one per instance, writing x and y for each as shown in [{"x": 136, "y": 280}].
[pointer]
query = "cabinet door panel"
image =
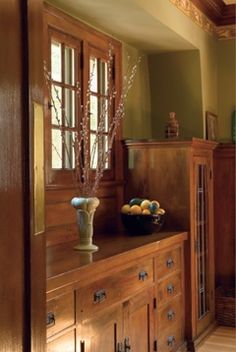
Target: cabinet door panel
[
  {"x": 204, "y": 243},
  {"x": 65, "y": 343},
  {"x": 138, "y": 322},
  {"x": 101, "y": 333}
]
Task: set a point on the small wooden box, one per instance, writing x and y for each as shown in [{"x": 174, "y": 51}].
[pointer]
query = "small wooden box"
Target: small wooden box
[{"x": 225, "y": 306}]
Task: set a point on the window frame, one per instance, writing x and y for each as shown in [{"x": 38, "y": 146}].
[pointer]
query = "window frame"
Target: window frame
[{"x": 88, "y": 41}]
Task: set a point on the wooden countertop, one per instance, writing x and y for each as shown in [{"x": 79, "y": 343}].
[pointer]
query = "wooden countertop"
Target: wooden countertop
[{"x": 66, "y": 265}]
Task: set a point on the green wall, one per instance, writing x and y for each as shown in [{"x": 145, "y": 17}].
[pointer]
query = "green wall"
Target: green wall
[
  {"x": 175, "y": 80},
  {"x": 137, "y": 120},
  {"x": 226, "y": 87}
]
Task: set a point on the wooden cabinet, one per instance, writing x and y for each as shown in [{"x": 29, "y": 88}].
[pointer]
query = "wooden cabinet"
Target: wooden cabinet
[
  {"x": 224, "y": 214},
  {"x": 179, "y": 174},
  {"x": 127, "y": 300}
]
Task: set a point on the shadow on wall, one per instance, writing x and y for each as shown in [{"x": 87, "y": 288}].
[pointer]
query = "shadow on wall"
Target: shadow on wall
[{"x": 175, "y": 80}]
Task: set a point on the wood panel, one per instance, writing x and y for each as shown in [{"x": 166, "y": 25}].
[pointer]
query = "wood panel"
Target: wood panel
[
  {"x": 65, "y": 343},
  {"x": 11, "y": 175},
  {"x": 138, "y": 321},
  {"x": 161, "y": 171},
  {"x": 224, "y": 213},
  {"x": 36, "y": 264}
]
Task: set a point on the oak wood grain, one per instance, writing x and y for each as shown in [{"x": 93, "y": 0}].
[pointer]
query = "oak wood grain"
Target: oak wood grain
[
  {"x": 66, "y": 266},
  {"x": 222, "y": 339}
]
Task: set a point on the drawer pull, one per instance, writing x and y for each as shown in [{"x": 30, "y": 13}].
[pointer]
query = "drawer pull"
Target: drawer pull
[
  {"x": 169, "y": 263},
  {"x": 50, "y": 319},
  {"x": 170, "y": 289},
  {"x": 170, "y": 315},
  {"x": 120, "y": 347},
  {"x": 171, "y": 341},
  {"x": 82, "y": 346},
  {"x": 143, "y": 275},
  {"x": 99, "y": 296},
  {"x": 127, "y": 345}
]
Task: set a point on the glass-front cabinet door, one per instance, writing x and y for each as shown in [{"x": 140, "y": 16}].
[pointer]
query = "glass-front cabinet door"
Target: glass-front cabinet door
[{"x": 204, "y": 244}]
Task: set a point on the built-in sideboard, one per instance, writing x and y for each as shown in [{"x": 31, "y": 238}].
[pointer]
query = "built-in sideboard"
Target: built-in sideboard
[{"x": 127, "y": 296}]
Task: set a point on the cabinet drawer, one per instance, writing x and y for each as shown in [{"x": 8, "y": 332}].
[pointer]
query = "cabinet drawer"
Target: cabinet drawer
[
  {"x": 111, "y": 289},
  {"x": 170, "y": 340},
  {"x": 65, "y": 343},
  {"x": 167, "y": 262},
  {"x": 60, "y": 313},
  {"x": 169, "y": 288},
  {"x": 170, "y": 314}
]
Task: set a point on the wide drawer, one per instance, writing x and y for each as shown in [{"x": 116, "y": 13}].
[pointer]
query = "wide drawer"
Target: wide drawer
[
  {"x": 170, "y": 314},
  {"x": 167, "y": 262},
  {"x": 60, "y": 313},
  {"x": 169, "y": 288},
  {"x": 103, "y": 293},
  {"x": 170, "y": 340}
]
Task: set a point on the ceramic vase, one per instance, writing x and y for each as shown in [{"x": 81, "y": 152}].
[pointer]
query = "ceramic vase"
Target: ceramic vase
[{"x": 85, "y": 209}]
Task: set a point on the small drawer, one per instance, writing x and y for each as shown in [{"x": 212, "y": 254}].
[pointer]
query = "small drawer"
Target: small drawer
[
  {"x": 60, "y": 313},
  {"x": 169, "y": 288},
  {"x": 114, "y": 288},
  {"x": 167, "y": 262},
  {"x": 65, "y": 343},
  {"x": 170, "y": 340},
  {"x": 170, "y": 314}
]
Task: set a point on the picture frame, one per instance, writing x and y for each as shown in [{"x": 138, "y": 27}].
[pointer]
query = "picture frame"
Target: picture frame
[{"x": 211, "y": 126}]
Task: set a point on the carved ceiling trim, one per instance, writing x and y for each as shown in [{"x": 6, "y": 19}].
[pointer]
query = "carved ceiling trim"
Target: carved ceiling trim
[{"x": 203, "y": 21}]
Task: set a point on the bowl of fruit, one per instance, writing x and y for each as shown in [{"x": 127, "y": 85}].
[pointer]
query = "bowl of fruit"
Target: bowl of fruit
[{"x": 142, "y": 216}]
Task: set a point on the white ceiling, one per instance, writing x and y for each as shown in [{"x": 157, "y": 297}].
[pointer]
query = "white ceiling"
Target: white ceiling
[{"x": 125, "y": 20}]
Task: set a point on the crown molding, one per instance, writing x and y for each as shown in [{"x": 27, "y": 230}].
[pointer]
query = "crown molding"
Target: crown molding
[
  {"x": 205, "y": 16},
  {"x": 217, "y": 11}
]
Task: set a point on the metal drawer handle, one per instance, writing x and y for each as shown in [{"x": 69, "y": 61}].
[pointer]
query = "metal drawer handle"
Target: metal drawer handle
[
  {"x": 127, "y": 345},
  {"x": 171, "y": 341},
  {"x": 170, "y": 315},
  {"x": 170, "y": 289},
  {"x": 50, "y": 319},
  {"x": 170, "y": 263},
  {"x": 99, "y": 296},
  {"x": 143, "y": 275},
  {"x": 120, "y": 347}
]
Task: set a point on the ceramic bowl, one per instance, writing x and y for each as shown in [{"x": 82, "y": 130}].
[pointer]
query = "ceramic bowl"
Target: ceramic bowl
[{"x": 142, "y": 224}]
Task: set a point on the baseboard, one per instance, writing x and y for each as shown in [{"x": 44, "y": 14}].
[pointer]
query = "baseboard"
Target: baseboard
[{"x": 191, "y": 345}]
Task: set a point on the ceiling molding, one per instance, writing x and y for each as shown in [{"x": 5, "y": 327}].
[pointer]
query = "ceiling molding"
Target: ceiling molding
[
  {"x": 217, "y": 11},
  {"x": 207, "y": 14}
]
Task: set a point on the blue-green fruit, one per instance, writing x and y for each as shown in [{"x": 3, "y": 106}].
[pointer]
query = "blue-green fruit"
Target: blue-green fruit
[
  {"x": 135, "y": 201},
  {"x": 153, "y": 207}
]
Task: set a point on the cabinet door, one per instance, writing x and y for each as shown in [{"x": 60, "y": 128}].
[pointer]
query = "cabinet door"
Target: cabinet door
[
  {"x": 65, "y": 343},
  {"x": 204, "y": 242},
  {"x": 138, "y": 322},
  {"x": 101, "y": 333}
]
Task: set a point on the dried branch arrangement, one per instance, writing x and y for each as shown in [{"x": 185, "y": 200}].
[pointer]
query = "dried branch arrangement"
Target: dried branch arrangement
[{"x": 87, "y": 179}]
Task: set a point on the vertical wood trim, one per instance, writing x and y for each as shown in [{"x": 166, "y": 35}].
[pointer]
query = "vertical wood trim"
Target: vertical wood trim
[{"x": 37, "y": 243}]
